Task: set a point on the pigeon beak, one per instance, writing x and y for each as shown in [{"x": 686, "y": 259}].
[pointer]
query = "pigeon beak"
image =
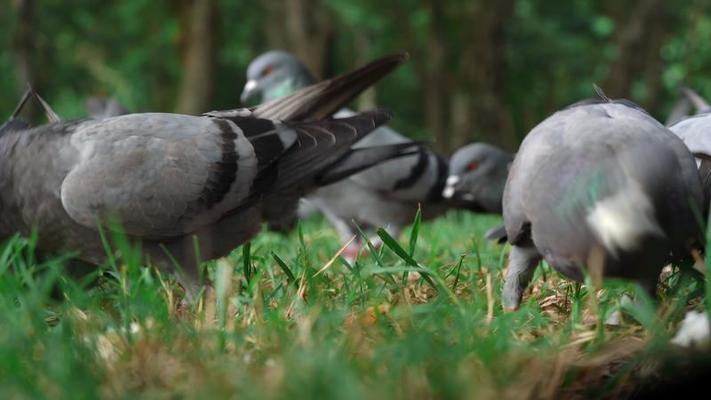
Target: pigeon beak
[
  {"x": 249, "y": 90},
  {"x": 449, "y": 189},
  {"x": 460, "y": 198}
]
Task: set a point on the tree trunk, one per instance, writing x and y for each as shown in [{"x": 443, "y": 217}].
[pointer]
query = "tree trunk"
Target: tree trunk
[
  {"x": 461, "y": 120},
  {"x": 482, "y": 72},
  {"x": 639, "y": 36},
  {"x": 198, "y": 37},
  {"x": 23, "y": 48},
  {"x": 434, "y": 71},
  {"x": 304, "y": 28}
]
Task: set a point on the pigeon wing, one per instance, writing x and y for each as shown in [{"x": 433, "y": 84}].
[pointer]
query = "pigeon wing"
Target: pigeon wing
[{"x": 163, "y": 175}]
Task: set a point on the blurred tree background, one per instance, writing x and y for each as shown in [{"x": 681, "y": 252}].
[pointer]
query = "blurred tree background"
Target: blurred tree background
[{"x": 480, "y": 70}]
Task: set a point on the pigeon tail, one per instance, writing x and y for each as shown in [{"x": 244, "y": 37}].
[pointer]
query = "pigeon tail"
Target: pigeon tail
[
  {"x": 362, "y": 158},
  {"x": 14, "y": 123},
  {"x": 699, "y": 103},
  {"x": 323, "y": 99},
  {"x": 497, "y": 234},
  {"x": 322, "y": 144}
]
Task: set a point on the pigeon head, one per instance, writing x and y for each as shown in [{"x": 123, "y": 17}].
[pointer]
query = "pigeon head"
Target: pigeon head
[
  {"x": 477, "y": 175},
  {"x": 99, "y": 107},
  {"x": 274, "y": 74}
]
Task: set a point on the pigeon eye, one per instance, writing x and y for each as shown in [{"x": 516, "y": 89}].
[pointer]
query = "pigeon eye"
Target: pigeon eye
[
  {"x": 267, "y": 71},
  {"x": 472, "y": 166}
]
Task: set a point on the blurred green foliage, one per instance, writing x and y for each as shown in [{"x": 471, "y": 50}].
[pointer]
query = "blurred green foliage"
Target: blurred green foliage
[{"x": 553, "y": 52}]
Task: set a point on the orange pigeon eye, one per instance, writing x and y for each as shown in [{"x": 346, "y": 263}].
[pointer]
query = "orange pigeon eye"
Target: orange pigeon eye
[
  {"x": 267, "y": 71},
  {"x": 472, "y": 166}
]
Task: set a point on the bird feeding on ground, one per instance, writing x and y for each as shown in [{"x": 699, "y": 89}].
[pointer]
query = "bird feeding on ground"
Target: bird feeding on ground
[
  {"x": 603, "y": 186},
  {"x": 186, "y": 188},
  {"x": 477, "y": 175},
  {"x": 387, "y": 195}
]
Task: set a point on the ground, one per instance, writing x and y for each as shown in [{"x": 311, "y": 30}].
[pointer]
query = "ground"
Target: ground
[{"x": 284, "y": 322}]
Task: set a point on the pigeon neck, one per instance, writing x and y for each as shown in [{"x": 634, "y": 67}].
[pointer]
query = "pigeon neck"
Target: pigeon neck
[
  {"x": 435, "y": 194},
  {"x": 286, "y": 87}
]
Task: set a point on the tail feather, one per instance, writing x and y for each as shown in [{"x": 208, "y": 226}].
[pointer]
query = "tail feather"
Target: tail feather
[
  {"x": 30, "y": 92},
  {"x": 22, "y": 102},
  {"x": 699, "y": 103},
  {"x": 14, "y": 123},
  {"x": 48, "y": 111},
  {"x": 497, "y": 234},
  {"x": 320, "y": 144},
  {"x": 323, "y": 99},
  {"x": 363, "y": 158}
]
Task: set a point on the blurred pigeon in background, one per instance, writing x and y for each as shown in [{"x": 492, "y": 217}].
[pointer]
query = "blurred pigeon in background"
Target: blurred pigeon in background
[
  {"x": 384, "y": 196},
  {"x": 477, "y": 176},
  {"x": 98, "y": 107},
  {"x": 604, "y": 186},
  {"x": 184, "y": 186},
  {"x": 691, "y": 103},
  {"x": 695, "y": 131}
]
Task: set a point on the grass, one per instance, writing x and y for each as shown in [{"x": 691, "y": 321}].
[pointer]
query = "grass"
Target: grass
[{"x": 276, "y": 327}]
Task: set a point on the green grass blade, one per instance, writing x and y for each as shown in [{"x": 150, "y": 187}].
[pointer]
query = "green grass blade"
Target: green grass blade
[
  {"x": 459, "y": 270},
  {"x": 285, "y": 268},
  {"x": 397, "y": 249},
  {"x": 375, "y": 254},
  {"x": 247, "y": 261},
  {"x": 414, "y": 234},
  {"x": 371, "y": 248}
]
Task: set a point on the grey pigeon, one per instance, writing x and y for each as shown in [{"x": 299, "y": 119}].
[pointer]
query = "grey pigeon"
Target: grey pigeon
[
  {"x": 603, "y": 186},
  {"x": 98, "y": 107},
  {"x": 477, "y": 175},
  {"x": 386, "y": 195},
  {"x": 179, "y": 183},
  {"x": 691, "y": 103},
  {"x": 695, "y": 131}
]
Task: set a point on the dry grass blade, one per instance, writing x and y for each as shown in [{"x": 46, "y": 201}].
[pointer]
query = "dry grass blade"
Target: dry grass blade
[
  {"x": 335, "y": 257},
  {"x": 489, "y": 298}
]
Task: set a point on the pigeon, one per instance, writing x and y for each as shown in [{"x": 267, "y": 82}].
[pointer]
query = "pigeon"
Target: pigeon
[
  {"x": 104, "y": 107},
  {"x": 603, "y": 186},
  {"x": 690, "y": 102},
  {"x": 477, "y": 175},
  {"x": 387, "y": 195},
  {"x": 695, "y": 131},
  {"x": 184, "y": 188}
]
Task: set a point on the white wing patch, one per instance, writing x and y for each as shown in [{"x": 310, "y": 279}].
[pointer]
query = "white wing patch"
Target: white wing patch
[{"x": 620, "y": 221}]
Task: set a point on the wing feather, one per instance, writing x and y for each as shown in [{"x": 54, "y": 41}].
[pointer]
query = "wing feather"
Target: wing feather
[{"x": 160, "y": 174}]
